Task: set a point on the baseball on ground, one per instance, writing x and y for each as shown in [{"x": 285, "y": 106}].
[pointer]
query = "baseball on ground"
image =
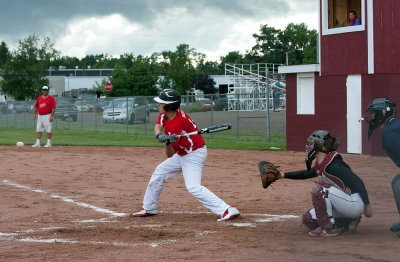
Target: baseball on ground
[{"x": 20, "y": 144}]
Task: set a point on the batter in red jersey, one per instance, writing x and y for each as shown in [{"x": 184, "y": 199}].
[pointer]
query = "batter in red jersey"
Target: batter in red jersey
[
  {"x": 45, "y": 106},
  {"x": 186, "y": 155}
]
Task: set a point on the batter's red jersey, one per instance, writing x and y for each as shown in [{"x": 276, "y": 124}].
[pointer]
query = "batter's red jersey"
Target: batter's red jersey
[
  {"x": 182, "y": 124},
  {"x": 45, "y": 105}
]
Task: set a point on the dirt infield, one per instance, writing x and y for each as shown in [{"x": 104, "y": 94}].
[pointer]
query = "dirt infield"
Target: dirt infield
[{"x": 72, "y": 203}]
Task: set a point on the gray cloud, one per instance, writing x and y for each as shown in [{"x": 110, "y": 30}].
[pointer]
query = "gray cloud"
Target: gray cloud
[
  {"x": 28, "y": 15},
  {"x": 203, "y": 23}
]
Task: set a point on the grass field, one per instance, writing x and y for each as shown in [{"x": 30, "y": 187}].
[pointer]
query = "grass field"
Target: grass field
[{"x": 222, "y": 140}]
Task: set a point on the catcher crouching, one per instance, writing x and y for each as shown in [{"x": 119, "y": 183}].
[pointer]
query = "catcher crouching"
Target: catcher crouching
[{"x": 339, "y": 196}]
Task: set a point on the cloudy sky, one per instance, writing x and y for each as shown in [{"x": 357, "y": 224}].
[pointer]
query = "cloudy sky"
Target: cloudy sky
[{"x": 114, "y": 27}]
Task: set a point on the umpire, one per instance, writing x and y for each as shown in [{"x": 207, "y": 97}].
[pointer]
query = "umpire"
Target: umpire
[{"x": 382, "y": 115}]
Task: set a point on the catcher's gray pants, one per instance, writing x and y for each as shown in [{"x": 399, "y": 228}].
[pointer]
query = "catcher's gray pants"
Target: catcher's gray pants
[
  {"x": 341, "y": 205},
  {"x": 191, "y": 166}
]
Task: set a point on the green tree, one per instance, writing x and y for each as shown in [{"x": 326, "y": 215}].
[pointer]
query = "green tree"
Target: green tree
[
  {"x": 4, "y": 53},
  {"x": 267, "y": 40},
  {"x": 207, "y": 67},
  {"x": 67, "y": 61},
  {"x": 178, "y": 68},
  {"x": 233, "y": 57},
  {"x": 205, "y": 83},
  {"x": 134, "y": 81},
  {"x": 25, "y": 71},
  {"x": 120, "y": 82},
  {"x": 142, "y": 78},
  {"x": 99, "y": 87},
  {"x": 126, "y": 60},
  {"x": 273, "y": 44}
]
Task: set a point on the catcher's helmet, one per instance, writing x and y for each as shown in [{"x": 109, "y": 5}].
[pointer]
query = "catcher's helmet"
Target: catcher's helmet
[
  {"x": 382, "y": 109},
  {"x": 171, "y": 98},
  {"x": 320, "y": 138}
]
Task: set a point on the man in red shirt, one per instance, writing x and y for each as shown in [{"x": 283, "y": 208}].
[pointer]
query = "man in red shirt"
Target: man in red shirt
[
  {"x": 186, "y": 155},
  {"x": 45, "y": 106}
]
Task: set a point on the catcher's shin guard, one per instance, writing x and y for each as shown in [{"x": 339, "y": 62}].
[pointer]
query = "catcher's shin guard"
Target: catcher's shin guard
[
  {"x": 396, "y": 190},
  {"x": 319, "y": 197},
  {"x": 307, "y": 220}
]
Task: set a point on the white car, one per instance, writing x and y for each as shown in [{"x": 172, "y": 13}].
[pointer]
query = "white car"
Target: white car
[
  {"x": 82, "y": 105},
  {"x": 127, "y": 109}
]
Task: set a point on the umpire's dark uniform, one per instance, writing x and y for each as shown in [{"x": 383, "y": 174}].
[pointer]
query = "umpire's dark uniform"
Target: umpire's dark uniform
[{"x": 391, "y": 144}]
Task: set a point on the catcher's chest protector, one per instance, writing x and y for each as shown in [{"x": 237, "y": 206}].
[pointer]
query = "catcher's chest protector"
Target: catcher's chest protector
[{"x": 320, "y": 169}]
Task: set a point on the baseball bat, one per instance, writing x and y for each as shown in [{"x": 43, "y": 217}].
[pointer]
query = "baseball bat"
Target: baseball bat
[{"x": 211, "y": 129}]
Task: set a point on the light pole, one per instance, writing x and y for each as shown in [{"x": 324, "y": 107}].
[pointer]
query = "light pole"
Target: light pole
[{"x": 287, "y": 54}]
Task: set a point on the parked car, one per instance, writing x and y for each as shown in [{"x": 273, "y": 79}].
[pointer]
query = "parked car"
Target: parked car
[
  {"x": 84, "y": 105},
  {"x": 30, "y": 104},
  {"x": 18, "y": 107},
  {"x": 221, "y": 104},
  {"x": 3, "y": 107},
  {"x": 100, "y": 106},
  {"x": 124, "y": 110},
  {"x": 206, "y": 104},
  {"x": 65, "y": 109},
  {"x": 153, "y": 107}
]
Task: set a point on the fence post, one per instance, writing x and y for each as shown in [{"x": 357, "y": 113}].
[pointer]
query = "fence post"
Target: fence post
[
  {"x": 113, "y": 122},
  {"x": 82, "y": 114},
  {"x": 268, "y": 123},
  {"x": 238, "y": 116},
  {"x": 127, "y": 117}
]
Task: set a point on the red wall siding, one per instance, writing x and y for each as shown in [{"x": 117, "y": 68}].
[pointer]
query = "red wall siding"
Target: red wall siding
[
  {"x": 344, "y": 54},
  {"x": 387, "y": 36},
  {"x": 375, "y": 86},
  {"x": 330, "y": 111}
]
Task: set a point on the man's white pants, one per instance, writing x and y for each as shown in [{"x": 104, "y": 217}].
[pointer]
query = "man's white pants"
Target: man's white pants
[
  {"x": 341, "y": 205},
  {"x": 191, "y": 166},
  {"x": 43, "y": 123}
]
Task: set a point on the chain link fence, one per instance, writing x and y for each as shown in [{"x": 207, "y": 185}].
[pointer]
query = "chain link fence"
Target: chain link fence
[{"x": 138, "y": 115}]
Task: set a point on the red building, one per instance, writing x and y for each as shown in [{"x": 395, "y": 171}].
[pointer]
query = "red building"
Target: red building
[{"x": 357, "y": 64}]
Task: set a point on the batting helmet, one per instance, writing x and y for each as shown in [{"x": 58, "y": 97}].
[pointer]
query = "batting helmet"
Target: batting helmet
[
  {"x": 317, "y": 140},
  {"x": 380, "y": 109},
  {"x": 171, "y": 98}
]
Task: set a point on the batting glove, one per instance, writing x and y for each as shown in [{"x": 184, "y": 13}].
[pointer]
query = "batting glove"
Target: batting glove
[
  {"x": 172, "y": 138},
  {"x": 162, "y": 138}
]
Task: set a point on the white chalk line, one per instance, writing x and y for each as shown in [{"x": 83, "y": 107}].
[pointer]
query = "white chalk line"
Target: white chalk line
[
  {"x": 69, "y": 241},
  {"x": 18, "y": 236},
  {"x": 270, "y": 217},
  {"x": 118, "y": 214},
  {"x": 65, "y": 199}
]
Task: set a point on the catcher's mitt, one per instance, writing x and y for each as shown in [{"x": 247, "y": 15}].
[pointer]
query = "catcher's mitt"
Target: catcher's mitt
[{"x": 269, "y": 173}]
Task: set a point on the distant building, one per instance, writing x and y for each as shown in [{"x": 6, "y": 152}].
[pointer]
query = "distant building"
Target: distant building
[{"x": 65, "y": 80}]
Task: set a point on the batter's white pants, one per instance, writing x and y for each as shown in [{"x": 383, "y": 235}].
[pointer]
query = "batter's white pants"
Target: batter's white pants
[
  {"x": 191, "y": 166},
  {"x": 341, "y": 205}
]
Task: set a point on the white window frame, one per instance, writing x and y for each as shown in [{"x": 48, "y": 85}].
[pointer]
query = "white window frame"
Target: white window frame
[
  {"x": 340, "y": 30},
  {"x": 305, "y": 94}
]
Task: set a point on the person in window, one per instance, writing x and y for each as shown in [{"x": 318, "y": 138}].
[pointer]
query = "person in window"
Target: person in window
[{"x": 354, "y": 20}]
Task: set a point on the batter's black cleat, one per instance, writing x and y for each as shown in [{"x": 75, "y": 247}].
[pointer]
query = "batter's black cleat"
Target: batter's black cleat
[{"x": 395, "y": 227}]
